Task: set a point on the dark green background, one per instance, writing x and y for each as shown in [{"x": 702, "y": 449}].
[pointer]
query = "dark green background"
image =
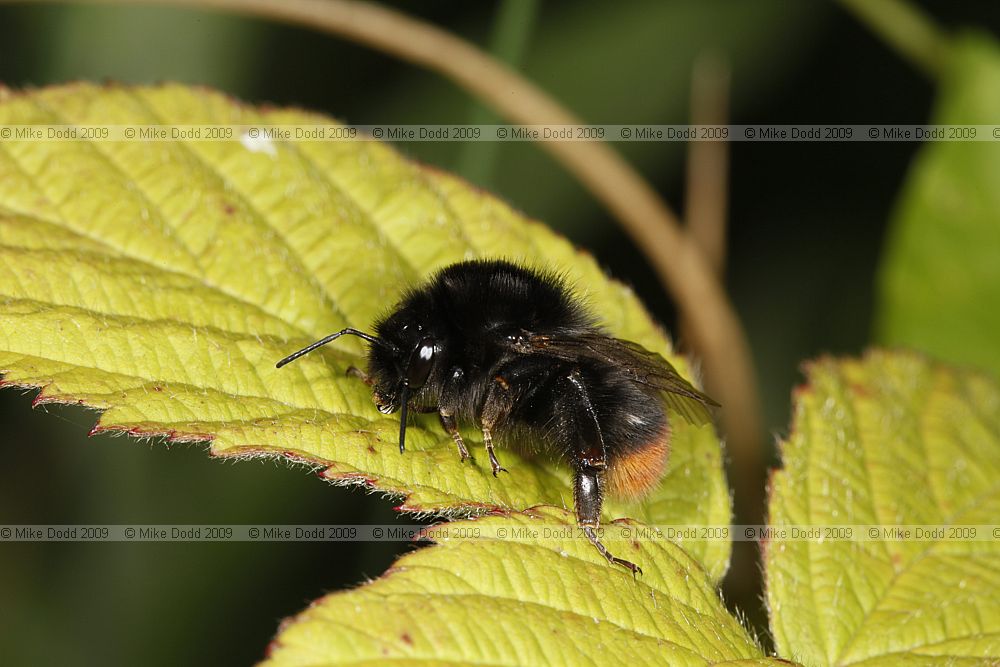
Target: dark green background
[{"x": 806, "y": 229}]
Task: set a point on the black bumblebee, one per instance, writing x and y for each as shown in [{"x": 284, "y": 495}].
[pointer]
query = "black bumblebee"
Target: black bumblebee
[{"x": 511, "y": 350}]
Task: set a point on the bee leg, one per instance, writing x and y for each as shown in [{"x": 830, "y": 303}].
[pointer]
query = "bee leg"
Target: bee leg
[
  {"x": 448, "y": 404},
  {"x": 588, "y": 451},
  {"x": 488, "y": 441},
  {"x": 448, "y": 422},
  {"x": 356, "y": 372},
  {"x": 496, "y": 408},
  {"x": 587, "y": 492}
]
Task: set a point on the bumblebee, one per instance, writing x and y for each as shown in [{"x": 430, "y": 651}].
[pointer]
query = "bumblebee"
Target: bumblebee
[{"x": 513, "y": 351}]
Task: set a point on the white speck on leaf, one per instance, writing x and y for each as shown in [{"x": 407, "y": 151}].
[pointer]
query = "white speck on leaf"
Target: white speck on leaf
[{"x": 258, "y": 144}]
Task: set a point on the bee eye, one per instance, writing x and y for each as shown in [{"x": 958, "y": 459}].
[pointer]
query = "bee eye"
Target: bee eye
[{"x": 420, "y": 364}]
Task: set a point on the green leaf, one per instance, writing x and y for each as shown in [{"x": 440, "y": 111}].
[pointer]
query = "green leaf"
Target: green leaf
[
  {"x": 940, "y": 278},
  {"x": 894, "y": 440},
  {"x": 161, "y": 281},
  {"x": 523, "y": 600}
]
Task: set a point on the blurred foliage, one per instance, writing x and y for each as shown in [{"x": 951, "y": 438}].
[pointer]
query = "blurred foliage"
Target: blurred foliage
[
  {"x": 120, "y": 42},
  {"x": 122, "y": 604},
  {"x": 940, "y": 275},
  {"x": 619, "y": 63},
  {"x": 513, "y": 28}
]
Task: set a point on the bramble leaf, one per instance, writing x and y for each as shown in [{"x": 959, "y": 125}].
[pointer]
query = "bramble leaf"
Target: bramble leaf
[
  {"x": 159, "y": 281},
  {"x": 523, "y": 599},
  {"x": 893, "y": 441},
  {"x": 940, "y": 278}
]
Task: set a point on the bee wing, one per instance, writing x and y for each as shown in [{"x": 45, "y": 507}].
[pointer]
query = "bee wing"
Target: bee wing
[{"x": 641, "y": 365}]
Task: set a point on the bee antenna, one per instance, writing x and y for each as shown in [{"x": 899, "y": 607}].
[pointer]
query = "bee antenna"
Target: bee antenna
[
  {"x": 334, "y": 336},
  {"x": 404, "y": 396}
]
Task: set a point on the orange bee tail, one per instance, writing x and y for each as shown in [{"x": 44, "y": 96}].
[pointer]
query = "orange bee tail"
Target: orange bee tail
[{"x": 635, "y": 473}]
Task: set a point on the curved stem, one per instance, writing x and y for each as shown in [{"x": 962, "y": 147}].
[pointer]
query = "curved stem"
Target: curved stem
[
  {"x": 717, "y": 333},
  {"x": 705, "y": 214}
]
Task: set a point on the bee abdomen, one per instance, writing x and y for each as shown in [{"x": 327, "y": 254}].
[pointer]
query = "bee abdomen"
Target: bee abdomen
[{"x": 634, "y": 472}]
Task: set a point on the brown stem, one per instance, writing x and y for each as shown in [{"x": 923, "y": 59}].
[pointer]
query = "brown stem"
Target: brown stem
[
  {"x": 707, "y": 198},
  {"x": 706, "y": 207}
]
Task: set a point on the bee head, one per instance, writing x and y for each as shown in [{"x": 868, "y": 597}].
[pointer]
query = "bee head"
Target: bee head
[
  {"x": 400, "y": 360},
  {"x": 400, "y": 364}
]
